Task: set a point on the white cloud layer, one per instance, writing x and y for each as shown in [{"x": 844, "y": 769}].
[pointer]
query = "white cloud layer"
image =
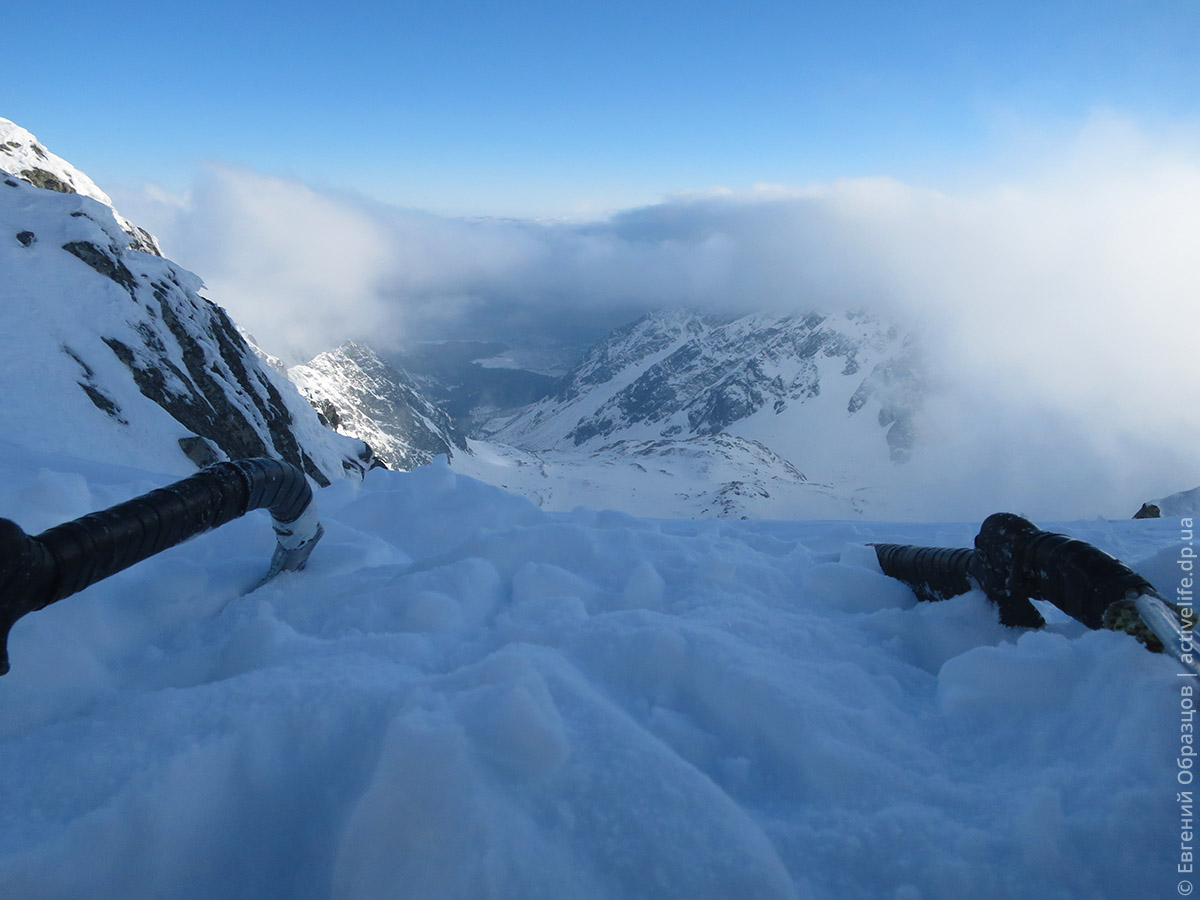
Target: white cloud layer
[{"x": 1061, "y": 307}]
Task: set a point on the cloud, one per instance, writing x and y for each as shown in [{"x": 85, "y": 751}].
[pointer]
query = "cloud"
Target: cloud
[
  {"x": 1059, "y": 306},
  {"x": 293, "y": 265}
]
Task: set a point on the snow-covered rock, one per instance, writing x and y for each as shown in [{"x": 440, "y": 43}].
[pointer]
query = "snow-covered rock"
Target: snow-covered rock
[
  {"x": 23, "y": 156},
  {"x": 364, "y": 397},
  {"x": 108, "y": 350},
  {"x": 1182, "y": 503}
]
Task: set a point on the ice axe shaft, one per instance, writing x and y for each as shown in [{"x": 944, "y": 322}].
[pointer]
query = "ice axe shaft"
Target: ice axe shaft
[{"x": 36, "y": 571}]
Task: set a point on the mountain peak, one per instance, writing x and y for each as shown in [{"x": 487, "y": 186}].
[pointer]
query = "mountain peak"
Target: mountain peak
[{"x": 23, "y": 156}]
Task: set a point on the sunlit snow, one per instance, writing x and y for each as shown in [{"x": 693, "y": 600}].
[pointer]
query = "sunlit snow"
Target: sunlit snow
[{"x": 465, "y": 696}]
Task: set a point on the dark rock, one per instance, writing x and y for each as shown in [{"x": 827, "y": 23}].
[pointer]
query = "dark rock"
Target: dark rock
[
  {"x": 102, "y": 262},
  {"x": 1148, "y": 511},
  {"x": 102, "y": 401},
  {"x": 48, "y": 180},
  {"x": 199, "y": 451},
  {"x": 328, "y": 413},
  {"x": 26, "y": 238}
]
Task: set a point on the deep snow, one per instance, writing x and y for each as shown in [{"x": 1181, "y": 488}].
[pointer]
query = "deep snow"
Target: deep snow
[{"x": 465, "y": 696}]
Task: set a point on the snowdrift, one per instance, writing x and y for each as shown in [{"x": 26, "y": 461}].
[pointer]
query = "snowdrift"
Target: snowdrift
[{"x": 464, "y": 696}]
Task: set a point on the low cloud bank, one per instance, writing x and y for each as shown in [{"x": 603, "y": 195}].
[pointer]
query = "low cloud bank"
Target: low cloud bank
[{"x": 1060, "y": 310}]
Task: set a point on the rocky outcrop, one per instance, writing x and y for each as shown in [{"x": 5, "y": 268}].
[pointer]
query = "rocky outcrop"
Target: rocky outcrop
[{"x": 1183, "y": 503}]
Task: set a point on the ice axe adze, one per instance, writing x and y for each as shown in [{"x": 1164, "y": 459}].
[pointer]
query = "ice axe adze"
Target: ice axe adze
[
  {"x": 1014, "y": 561},
  {"x": 36, "y": 571}
]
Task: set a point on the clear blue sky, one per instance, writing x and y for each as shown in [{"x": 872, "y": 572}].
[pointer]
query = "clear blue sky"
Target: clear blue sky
[{"x": 542, "y": 106}]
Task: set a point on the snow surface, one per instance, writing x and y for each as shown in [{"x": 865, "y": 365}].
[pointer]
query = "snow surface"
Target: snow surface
[
  {"x": 699, "y": 477},
  {"x": 464, "y": 696}
]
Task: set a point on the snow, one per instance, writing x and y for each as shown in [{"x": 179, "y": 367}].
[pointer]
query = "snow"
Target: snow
[
  {"x": 57, "y": 315},
  {"x": 1183, "y": 503},
  {"x": 702, "y": 476},
  {"x": 20, "y": 151},
  {"x": 466, "y": 696}
]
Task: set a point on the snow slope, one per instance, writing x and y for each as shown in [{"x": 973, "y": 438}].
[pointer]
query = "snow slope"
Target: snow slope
[
  {"x": 464, "y": 697},
  {"x": 699, "y": 477}
]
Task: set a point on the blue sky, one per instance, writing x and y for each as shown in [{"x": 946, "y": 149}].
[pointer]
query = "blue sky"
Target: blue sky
[{"x": 537, "y": 108}]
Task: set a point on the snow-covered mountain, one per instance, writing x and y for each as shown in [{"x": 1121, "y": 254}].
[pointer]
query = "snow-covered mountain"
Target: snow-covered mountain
[
  {"x": 101, "y": 335},
  {"x": 23, "y": 156},
  {"x": 682, "y": 413},
  {"x": 772, "y": 378},
  {"x": 362, "y": 396},
  {"x": 678, "y": 414}
]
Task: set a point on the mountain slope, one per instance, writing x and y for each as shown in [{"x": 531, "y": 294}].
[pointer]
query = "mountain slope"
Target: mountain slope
[
  {"x": 835, "y": 397},
  {"x": 96, "y": 327},
  {"x": 680, "y": 373},
  {"x": 23, "y": 156},
  {"x": 708, "y": 476},
  {"x": 364, "y": 397}
]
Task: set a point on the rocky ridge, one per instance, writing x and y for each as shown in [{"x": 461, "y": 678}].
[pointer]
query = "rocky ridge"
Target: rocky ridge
[
  {"x": 360, "y": 395},
  {"x": 91, "y": 304}
]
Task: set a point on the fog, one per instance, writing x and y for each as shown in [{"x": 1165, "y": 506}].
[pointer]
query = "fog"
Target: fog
[{"x": 1057, "y": 303}]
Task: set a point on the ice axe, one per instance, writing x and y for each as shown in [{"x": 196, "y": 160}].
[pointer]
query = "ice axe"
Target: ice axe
[
  {"x": 1014, "y": 561},
  {"x": 37, "y": 570}
]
